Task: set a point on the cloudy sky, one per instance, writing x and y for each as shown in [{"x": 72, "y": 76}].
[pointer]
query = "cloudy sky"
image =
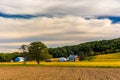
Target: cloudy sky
[{"x": 57, "y": 22}]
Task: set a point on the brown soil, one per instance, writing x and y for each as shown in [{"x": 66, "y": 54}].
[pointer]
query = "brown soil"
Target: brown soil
[{"x": 58, "y": 73}]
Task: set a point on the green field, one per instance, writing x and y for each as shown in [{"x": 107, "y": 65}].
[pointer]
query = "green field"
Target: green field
[
  {"x": 104, "y": 61},
  {"x": 106, "y": 64},
  {"x": 106, "y": 57}
]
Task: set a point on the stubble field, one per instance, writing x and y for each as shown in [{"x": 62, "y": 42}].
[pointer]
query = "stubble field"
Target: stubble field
[{"x": 57, "y": 73}]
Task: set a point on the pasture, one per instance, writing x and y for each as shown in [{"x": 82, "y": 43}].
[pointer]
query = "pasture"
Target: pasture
[
  {"x": 57, "y": 73},
  {"x": 107, "y": 57}
]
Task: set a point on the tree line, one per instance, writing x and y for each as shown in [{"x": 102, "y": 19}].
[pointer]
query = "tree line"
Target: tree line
[
  {"x": 7, "y": 57},
  {"x": 87, "y": 49},
  {"x": 38, "y": 51}
]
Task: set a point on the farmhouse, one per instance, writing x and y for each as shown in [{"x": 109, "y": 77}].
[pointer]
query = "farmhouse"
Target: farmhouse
[{"x": 73, "y": 58}]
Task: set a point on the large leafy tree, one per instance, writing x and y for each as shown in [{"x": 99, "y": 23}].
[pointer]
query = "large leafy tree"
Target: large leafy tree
[{"x": 38, "y": 51}]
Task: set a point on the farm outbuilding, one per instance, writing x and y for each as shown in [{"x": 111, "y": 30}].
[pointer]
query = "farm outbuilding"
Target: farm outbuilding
[
  {"x": 49, "y": 60},
  {"x": 62, "y": 59},
  {"x": 19, "y": 59},
  {"x": 73, "y": 58}
]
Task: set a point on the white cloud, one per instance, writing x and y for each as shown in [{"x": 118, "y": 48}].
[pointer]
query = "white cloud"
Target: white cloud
[
  {"x": 67, "y": 26},
  {"x": 7, "y": 50},
  {"x": 54, "y": 31},
  {"x": 85, "y": 8}
]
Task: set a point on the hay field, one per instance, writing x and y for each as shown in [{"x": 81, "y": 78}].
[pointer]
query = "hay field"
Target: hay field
[
  {"x": 57, "y": 73},
  {"x": 89, "y": 64}
]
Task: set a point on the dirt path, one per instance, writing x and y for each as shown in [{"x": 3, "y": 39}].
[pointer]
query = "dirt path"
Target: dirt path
[{"x": 58, "y": 73}]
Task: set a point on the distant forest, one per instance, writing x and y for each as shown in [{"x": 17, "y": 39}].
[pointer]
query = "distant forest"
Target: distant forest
[{"x": 87, "y": 49}]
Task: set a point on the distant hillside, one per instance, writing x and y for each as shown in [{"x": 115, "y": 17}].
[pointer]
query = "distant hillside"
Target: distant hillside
[
  {"x": 106, "y": 57},
  {"x": 88, "y": 49}
]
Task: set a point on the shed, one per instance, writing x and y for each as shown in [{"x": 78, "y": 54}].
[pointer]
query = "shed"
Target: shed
[
  {"x": 49, "y": 60},
  {"x": 19, "y": 59},
  {"x": 62, "y": 59}
]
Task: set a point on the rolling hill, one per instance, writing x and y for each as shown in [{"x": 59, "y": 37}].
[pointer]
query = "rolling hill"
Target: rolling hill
[
  {"x": 87, "y": 49},
  {"x": 106, "y": 57}
]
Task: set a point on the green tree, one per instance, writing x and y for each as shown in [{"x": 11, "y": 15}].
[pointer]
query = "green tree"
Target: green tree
[
  {"x": 24, "y": 50},
  {"x": 81, "y": 55},
  {"x": 38, "y": 51}
]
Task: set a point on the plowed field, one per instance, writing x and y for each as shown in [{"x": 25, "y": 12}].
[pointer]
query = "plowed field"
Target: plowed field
[{"x": 57, "y": 73}]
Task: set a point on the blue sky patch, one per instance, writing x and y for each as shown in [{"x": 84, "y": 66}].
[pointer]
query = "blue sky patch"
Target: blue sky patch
[
  {"x": 114, "y": 19},
  {"x": 22, "y": 16}
]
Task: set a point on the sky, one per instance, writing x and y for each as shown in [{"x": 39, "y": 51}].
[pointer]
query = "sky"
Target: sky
[{"x": 57, "y": 22}]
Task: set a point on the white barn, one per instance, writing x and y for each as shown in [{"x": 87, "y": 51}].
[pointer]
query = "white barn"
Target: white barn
[
  {"x": 19, "y": 59},
  {"x": 62, "y": 59}
]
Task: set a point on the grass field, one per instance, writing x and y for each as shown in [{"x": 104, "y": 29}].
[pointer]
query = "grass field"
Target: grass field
[
  {"x": 57, "y": 73},
  {"x": 107, "y": 57},
  {"x": 83, "y": 64},
  {"x": 111, "y": 64},
  {"x": 100, "y": 61}
]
